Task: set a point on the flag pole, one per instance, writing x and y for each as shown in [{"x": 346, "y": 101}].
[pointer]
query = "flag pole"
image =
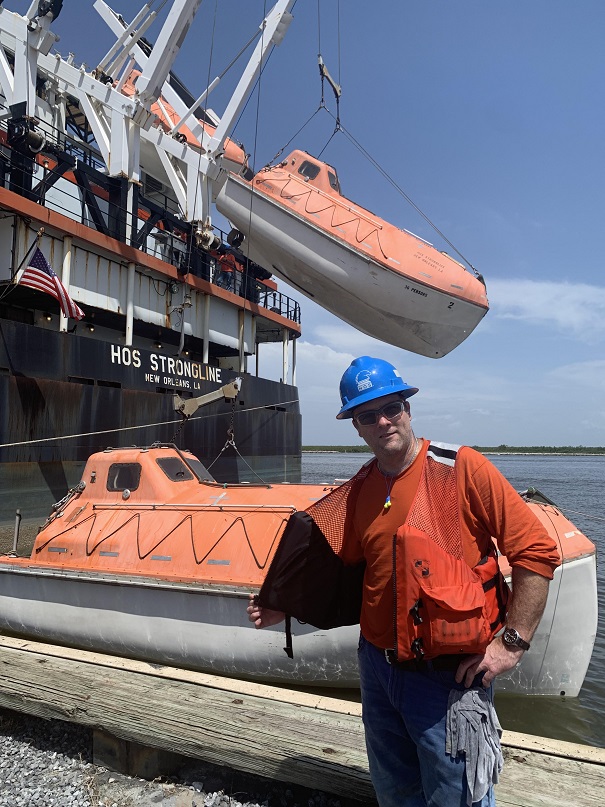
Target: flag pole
[{"x": 27, "y": 254}]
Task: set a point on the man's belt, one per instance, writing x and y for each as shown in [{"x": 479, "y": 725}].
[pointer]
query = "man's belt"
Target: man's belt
[{"x": 445, "y": 662}]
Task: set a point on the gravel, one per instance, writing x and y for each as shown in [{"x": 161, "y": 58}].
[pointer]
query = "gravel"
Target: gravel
[{"x": 49, "y": 762}]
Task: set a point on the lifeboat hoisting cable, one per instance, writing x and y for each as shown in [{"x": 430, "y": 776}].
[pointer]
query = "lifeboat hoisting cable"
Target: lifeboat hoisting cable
[
  {"x": 336, "y": 88},
  {"x": 338, "y": 127},
  {"x": 405, "y": 196},
  {"x": 230, "y": 443},
  {"x": 188, "y": 406}
]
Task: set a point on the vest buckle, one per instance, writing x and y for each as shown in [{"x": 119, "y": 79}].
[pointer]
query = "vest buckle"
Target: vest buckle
[
  {"x": 417, "y": 650},
  {"x": 415, "y": 612}
]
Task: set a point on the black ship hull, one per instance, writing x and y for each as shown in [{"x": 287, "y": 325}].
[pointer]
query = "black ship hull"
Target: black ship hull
[{"x": 64, "y": 396}]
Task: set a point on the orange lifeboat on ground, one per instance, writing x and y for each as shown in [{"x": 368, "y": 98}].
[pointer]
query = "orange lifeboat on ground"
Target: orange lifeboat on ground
[
  {"x": 150, "y": 558},
  {"x": 387, "y": 282}
]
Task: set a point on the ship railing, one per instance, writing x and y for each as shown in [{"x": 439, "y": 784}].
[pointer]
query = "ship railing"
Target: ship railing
[{"x": 68, "y": 176}]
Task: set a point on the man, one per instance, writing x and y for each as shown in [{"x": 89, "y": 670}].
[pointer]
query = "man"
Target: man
[{"x": 418, "y": 521}]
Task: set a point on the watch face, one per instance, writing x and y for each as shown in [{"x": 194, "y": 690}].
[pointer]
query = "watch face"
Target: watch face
[{"x": 511, "y": 636}]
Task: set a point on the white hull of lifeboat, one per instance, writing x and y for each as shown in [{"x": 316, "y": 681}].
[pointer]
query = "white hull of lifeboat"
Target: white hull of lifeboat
[
  {"x": 561, "y": 648},
  {"x": 206, "y": 628},
  {"x": 188, "y": 625},
  {"x": 381, "y": 302}
]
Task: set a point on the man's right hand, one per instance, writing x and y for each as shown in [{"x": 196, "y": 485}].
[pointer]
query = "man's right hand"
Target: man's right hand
[{"x": 263, "y": 617}]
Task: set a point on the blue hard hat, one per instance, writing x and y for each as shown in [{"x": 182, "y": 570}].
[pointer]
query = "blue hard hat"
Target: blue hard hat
[{"x": 367, "y": 378}]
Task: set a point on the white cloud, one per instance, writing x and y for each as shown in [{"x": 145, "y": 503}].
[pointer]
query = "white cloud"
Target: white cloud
[
  {"x": 587, "y": 375},
  {"x": 357, "y": 343},
  {"x": 485, "y": 393},
  {"x": 576, "y": 308}
]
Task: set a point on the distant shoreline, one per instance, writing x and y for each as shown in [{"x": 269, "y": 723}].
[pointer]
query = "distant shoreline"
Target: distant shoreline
[{"x": 572, "y": 451}]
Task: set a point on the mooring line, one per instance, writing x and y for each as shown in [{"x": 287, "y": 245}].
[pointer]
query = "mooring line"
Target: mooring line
[{"x": 142, "y": 426}]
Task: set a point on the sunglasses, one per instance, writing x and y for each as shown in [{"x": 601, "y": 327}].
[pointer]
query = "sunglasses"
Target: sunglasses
[{"x": 390, "y": 411}]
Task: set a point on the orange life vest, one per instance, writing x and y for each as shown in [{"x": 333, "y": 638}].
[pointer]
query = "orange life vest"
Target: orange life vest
[{"x": 442, "y": 605}]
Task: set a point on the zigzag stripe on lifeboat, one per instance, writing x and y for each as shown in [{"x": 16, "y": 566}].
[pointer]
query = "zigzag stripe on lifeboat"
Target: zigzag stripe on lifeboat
[{"x": 387, "y": 282}]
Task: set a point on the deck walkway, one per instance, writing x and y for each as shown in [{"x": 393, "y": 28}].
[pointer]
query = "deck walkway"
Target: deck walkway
[{"x": 292, "y": 736}]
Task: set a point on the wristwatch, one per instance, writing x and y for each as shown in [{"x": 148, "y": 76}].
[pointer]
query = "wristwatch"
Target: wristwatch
[{"x": 511, "y": 639}]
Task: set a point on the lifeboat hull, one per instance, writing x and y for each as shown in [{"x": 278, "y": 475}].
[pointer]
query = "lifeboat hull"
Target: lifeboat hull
[
  {"x": 206, "y": 628},
  {"x": 193, "y": 626},
  {"x": 383, "y": 302},
  {"x": 561, "y": 648}
]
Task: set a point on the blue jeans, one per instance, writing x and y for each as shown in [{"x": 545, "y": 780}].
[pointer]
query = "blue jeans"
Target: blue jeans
[{"x": 404, "y": 720}]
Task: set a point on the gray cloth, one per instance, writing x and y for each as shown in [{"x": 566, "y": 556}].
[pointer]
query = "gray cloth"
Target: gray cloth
[{"x": 473, "y": 729}]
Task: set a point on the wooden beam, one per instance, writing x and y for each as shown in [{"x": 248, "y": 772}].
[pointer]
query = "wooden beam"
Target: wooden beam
[
  {"x": 243, "y": 726},
  {"x": 311, "y": 740}
]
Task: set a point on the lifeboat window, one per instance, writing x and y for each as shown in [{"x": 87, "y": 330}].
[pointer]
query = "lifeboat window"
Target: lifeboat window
[
  {"x": 177, "y": 471},
  {"x": 309, "y": 170},
  {"x": 201, "y": 470},
  {"x": 124, "y": 476},
  {"x": 333, "y": 180}
]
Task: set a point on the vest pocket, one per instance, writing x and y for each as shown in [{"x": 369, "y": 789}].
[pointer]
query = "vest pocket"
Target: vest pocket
[{"x": 453, "y": 619}]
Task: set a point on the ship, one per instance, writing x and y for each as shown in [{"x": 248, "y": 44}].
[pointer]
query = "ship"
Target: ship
[
  {"x": 95, "y": 184},
  {"x": 110, "y": 177}
]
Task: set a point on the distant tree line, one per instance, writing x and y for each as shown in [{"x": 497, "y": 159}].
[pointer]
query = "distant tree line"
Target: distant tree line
[
  {"x": 504, "y": 449},
  {"x": 338, "y": 449},
  {"x": 501, "y": 449}
]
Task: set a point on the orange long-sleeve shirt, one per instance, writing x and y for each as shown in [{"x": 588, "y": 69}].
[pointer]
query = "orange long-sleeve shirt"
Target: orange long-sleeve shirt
[{"x": 489, "y": 507}]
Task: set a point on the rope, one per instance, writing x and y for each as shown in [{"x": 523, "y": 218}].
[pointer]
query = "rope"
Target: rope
[
  {"x": 255, "y": 146},
  {"x": 141, "y": 426},
  {"x": 559, "y": 587},
  {"x": 336, "y": 130},
  {"x": 400, "y": 190},
  {"x": 580, "y": 513},
  {"x": 160, "y": 7},
  {"x": 35, "y": 243},
  {"x": 283, "y": 148},
  {"x": 324, "y": 75},
  {"x": 231, "y": 443},
  {"x": 201, "y": 151},
  {"x": 338, "y": 40}
]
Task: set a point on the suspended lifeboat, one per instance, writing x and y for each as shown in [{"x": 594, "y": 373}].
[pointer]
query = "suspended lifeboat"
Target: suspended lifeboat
[
  {"x": 149, "y": 558},
  {"x": 387, "y": 282}
]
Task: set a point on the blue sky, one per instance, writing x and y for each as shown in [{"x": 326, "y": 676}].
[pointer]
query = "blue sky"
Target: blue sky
[{"x": 491, "y": 117}]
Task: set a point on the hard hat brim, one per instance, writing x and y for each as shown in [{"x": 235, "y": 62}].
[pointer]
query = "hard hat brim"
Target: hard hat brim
[{"x": 372, "y": 395}]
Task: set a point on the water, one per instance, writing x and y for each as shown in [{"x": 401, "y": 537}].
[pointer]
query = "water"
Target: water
[{"x": 577, "y": 485}]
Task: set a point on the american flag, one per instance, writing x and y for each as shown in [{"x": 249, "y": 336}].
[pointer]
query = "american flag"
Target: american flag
[{"x": 39, "y": 275}]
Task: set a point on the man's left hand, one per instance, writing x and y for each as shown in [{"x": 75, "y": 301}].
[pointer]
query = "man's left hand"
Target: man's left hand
[{"x": 497, "y": 659}]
